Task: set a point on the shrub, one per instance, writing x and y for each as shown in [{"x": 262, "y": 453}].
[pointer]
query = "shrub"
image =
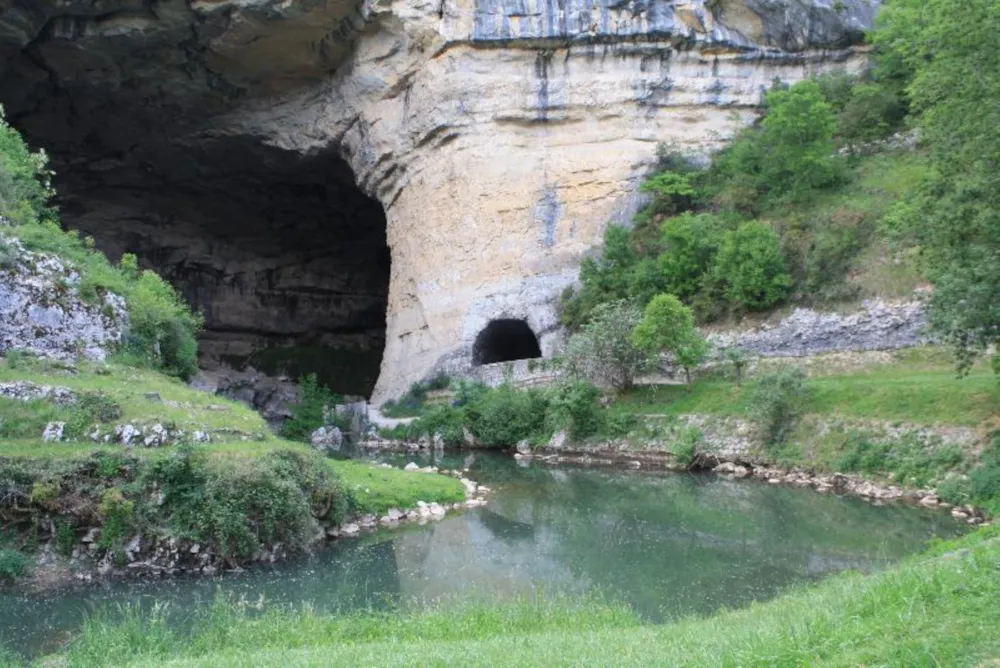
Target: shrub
[
  {"x": 25, "y": 179},
  {"x": 603, "y": 352},
  {"x": 575, "y": 406},
  {"x": 738, "y": 359},
  {"x": 751, "y": 269},
  {"x": 245, "y": 504},
  {"x": 689, "y": 243},
  {"x": 447, "y": 421},
  {"x": 91, "y": 408},
  {"x": 13, "y": 564},
  {"x": 871, "y": 113},
  {"x": 672, "y": 193},
  {"x": 790, "y": 154},
  {"x": 604, "y": 279},
  {"x": 312, "y": 412},
  {"x": 505, "y": 416},
  {"x": 911, "y": 461},
  {"x": 668, "y": 326},
  {"x": 162, "y": 329},
  {"x": 685, "y": 449},
  {"x": 117, "y": 513},
  {"x": 776, "y": 402}
]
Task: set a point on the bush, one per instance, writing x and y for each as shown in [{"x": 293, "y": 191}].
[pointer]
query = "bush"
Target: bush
[
  {"x": 685, "y": 450},
  {"x": 13, "y": 564},
  {"x": 667, "y": 326},
  {"x": 750, "y": 268},
  {"x": 162, "y": 329},
  {"x": 575, "y": 406},
  {"x": 911, "y": 462},
  {"x": 603, "y": 352},
  {"x": 689, "y": 243},
  {"x": 25, "y": 179},
  {"x": 245, "y": 504},
  {"x": 776, "y": 403},
  {"x": 789, "y": 155},
  {"x": 314, "y": 410},
  {"x": 506, "y": 416},
  {"x": 607, "y": 278},
  {"x": 871, "y": 113}
]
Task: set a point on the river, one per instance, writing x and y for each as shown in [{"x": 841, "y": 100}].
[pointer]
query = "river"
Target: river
[{"x": 666, "y": 544}]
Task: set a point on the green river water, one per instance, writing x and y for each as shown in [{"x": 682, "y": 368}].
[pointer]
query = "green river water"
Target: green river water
[{"x": 666, "y": 544}]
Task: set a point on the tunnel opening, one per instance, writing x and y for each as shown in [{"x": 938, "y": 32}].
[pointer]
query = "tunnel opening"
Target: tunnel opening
[
  {"x": 283, "y": 254},
  {"x": 505, "y": 340}
]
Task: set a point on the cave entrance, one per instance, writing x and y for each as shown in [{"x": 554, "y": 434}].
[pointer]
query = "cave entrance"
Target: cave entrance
[
  {"x": 283, "y": 253},
  {"x": 505, "y": 341}
]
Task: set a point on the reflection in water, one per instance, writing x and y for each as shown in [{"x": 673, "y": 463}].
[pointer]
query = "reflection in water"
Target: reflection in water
[{"x": 666, "y": 544}]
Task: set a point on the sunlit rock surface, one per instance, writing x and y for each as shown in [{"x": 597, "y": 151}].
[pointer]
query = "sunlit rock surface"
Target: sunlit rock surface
[{"x": 262, "y": 154}]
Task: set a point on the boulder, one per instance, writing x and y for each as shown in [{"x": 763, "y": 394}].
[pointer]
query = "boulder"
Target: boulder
[
  {"x": 327, "y": 439},
  {"x": 53, "y": 432}
]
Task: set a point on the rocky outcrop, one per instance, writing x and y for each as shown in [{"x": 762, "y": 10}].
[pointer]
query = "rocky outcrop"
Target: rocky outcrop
[
  {"x": 877, "y": 325},
  {"x": 42, "y": 312},
  {"x": 240, "y": 147}
]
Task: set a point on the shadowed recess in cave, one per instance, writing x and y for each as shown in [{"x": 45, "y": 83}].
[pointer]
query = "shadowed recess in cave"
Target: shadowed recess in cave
[
  {"x": 283, "y": 254},
  {"x": 505, "y": 341}
]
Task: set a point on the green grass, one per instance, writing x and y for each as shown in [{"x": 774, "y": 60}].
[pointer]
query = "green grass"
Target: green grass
[
  {"x": 918, "y": 387},
  {"x": 375, "y": 489},
  {"x": 180, "y": 405},
  {"x": 938, "y": 609}
]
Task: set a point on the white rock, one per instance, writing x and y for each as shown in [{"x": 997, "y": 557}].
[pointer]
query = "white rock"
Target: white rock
[
  {"x": 412, "y": 466},
  {"x": 53, "y": 432}
]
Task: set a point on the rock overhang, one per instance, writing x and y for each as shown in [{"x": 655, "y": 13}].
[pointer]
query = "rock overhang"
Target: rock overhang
[{"x": 500, "y": 137}]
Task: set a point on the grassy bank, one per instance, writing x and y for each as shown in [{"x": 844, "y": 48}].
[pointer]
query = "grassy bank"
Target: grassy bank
[
  {"x": 918, "y": 386},
  {"x": 937, "y": 609},
  {"x": 234, "y": 496}
]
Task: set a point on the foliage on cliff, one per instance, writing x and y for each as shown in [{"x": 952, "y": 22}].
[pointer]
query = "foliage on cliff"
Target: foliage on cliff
[
  {"x": 779, "y": 215},
  {"x": 953, "y": 214},
  {"x": 837, "y": 212},
  {"x": 163, "y": 327}
]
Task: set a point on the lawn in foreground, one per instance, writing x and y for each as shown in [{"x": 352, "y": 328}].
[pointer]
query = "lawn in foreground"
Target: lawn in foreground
[{"x": 937, "y": 609}]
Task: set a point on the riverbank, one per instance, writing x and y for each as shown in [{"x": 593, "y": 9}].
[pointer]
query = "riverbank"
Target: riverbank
[
  {"x": 937, "y": 608},
  {"x": 109, "y": 470},
  {"x": 886, "y": 426}
]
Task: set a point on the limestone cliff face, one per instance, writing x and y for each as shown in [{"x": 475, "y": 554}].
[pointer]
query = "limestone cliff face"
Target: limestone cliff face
[{"x": 499, "y": 136}]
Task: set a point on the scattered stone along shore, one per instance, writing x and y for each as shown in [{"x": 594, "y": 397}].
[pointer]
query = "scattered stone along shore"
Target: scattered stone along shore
[
  {"x": 162, "y": 556},
  {"x": 837, "y": 483}
]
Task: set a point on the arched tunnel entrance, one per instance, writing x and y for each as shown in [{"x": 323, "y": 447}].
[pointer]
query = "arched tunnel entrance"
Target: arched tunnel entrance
[
  {"x": 505, "y": 340},
  {"x": 283, "y": 254}
]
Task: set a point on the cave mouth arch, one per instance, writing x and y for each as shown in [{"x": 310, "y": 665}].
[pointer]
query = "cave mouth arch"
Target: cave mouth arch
[
  {"x": 505, "y": 340},
  {"x": 282, "y": 252}
]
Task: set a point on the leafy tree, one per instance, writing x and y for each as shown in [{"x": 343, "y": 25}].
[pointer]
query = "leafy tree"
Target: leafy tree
[
  {"x": 750, "y": 267},
  {"x": 672, "y": 193},
  {"x": 871, "y": 113},
  {"x": 790, "y": 154},
  {"x": 689, "y": 242},
  {"x": 25, "y": 179},
  {"x": 162, "y": 329},
  {"x": 739, "y": 359},
  {"x": 603, "y": 352},
  {"x": 667, "y": 326},
  {"x": 776, "y": 403},
  {"x": 954, "y": 216}
]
